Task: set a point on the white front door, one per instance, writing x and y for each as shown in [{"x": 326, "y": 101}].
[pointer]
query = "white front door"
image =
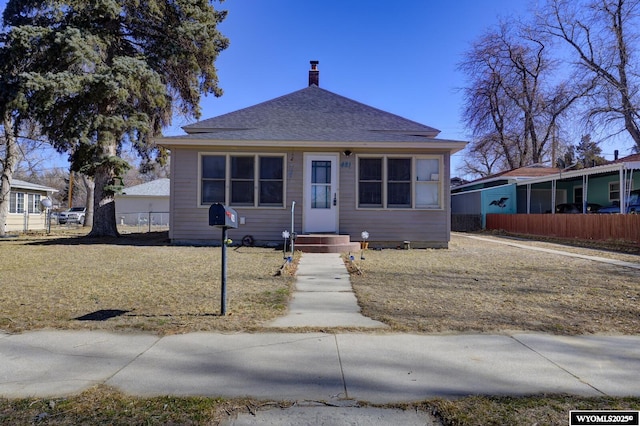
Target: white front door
[{"x": 320, "y": 193}]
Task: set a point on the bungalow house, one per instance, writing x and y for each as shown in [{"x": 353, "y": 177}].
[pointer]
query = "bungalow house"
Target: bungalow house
[
  {"x": 312, "y": 162},
  {"x": 147, "y": 203},
  {"x": 26, "y": 210}
]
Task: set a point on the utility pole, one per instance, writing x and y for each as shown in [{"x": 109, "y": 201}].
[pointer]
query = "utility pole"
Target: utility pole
[{"x": 70, "y": 204}]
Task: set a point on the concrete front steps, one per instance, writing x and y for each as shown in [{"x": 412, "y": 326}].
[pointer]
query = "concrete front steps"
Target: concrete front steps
[{"x": 325, "y": 243}]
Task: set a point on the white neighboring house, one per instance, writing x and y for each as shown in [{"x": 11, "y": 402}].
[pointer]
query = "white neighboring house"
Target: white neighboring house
[
  {"x": 26, "y": 212},
  {"x": 143, "y": 204}
]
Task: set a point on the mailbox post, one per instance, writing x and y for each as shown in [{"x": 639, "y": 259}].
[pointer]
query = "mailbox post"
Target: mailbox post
[{"x": 224, "y": 218}]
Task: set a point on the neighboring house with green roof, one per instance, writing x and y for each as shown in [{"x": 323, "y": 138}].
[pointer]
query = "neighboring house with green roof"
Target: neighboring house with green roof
[
  {"x": 347, "y": 166},
  {"x": 26, "y": 211},
  {"x": 144, "y": 203}
]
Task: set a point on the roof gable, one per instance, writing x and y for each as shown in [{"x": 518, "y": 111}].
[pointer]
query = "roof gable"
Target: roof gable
[
  {"x": 21, "y": 184},
  {"x": 312, "y": 109}
]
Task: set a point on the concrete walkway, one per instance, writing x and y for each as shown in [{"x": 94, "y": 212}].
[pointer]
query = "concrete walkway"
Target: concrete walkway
[
  {"x": 512, "y": 243},
  {"x": 324, "y": 296},
  {"x": 379, "y": 368}
]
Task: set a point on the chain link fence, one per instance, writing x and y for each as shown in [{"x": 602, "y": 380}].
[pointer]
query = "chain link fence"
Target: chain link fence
[{"x": 143, "y": 221}]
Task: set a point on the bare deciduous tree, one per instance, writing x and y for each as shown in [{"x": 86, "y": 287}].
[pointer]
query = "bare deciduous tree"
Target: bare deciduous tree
[
  {"x": 603, "y": 36},
  {"x": 515, "y": 101}
]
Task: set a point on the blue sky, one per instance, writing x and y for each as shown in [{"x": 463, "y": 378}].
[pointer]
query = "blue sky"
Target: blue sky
[{"x": 398, "y": 56}]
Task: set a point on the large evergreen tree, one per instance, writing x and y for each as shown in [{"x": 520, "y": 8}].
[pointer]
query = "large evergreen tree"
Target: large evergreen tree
[
  {"x": 11, "y": 117},
  {"x": 107, "y": 73}
]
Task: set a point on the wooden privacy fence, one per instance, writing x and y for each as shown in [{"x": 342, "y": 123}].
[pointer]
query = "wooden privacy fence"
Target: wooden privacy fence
[{"x": 583, "y": 226}]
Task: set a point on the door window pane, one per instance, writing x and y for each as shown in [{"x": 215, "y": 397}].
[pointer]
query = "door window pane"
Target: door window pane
[
  {"x": 321, "y": 184},
  {"x": 320, "y": 197},
  {"x": 321, "y": 172}
]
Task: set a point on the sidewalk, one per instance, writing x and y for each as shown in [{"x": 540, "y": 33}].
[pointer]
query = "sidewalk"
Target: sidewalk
[{"x": 318, "y": 366}]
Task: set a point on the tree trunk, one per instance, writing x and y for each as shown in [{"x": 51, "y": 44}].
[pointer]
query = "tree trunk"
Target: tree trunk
[
  {"x": 104, "y": 215},
  {"x": 90, "y": 188},
  {"x": 9, "y": 163}
]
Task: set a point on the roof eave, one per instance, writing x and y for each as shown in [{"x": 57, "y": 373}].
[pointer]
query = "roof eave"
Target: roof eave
[
  {"x": 607, "y": 168},
  {"x": 452, "y": 146}
]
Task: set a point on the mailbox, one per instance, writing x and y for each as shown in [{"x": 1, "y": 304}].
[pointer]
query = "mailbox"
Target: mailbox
[{"x": 222, "y": 217}]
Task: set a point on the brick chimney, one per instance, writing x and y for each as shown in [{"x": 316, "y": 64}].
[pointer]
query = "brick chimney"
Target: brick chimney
[{"x": 314, "y": 74}]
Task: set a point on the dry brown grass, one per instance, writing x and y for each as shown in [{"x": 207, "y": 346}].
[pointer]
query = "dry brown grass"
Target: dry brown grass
[
  {"x": 139, "y": 282},
  {"x": 102, "y": 405},
  {"x": 477, "y": 286},
  {"x": 136, "y": 282},
  {"x": 522, "y": 411}
]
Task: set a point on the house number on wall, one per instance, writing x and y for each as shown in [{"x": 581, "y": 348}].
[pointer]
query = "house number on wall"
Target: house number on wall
[{"x": 345, "y": 164}]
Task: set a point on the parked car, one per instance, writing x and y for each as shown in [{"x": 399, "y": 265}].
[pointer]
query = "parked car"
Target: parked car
[
  {"x": 577, "y": 208},
  {"x": 633, "y": 204},
  {"x": 73, "y": 215}
]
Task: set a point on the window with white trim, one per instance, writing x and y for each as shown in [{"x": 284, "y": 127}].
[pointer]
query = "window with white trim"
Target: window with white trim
[
  {"x": 16, "y": 202},
  {"x": 428, "y": 183},
  {"x": 34, "y": 203},
  {"x": 242, "y": 180},
  {"x": 370, "y": 182},
  {"x": 614, "y": 191},
  {"x": 397, "y": 182}
]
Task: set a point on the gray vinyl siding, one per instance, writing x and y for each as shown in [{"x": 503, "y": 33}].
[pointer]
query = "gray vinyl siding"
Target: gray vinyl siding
[
  {"x": 190, "y": 220},
  {"x": 388, "y": 227}
]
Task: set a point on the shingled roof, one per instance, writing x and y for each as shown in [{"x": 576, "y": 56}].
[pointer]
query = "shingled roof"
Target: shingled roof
[
  {"x": 310, "y": 114},
  {"x": 155, "y": 188}
]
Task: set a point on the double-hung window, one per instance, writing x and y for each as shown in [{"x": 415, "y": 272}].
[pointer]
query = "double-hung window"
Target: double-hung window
[
  {"x": 399, "y": 182},
  {"x": 242, "y": 180},
  {"x": 213, "y": 179},
  {"x": 370, "y": 182},
  {"x": 428, "y": 183},
  {"x": 614, "y": 191},
  {"x": 34, "y": 203},
  {"x": 16, "y": 202},
  {"x": 271, "y": 188}
]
